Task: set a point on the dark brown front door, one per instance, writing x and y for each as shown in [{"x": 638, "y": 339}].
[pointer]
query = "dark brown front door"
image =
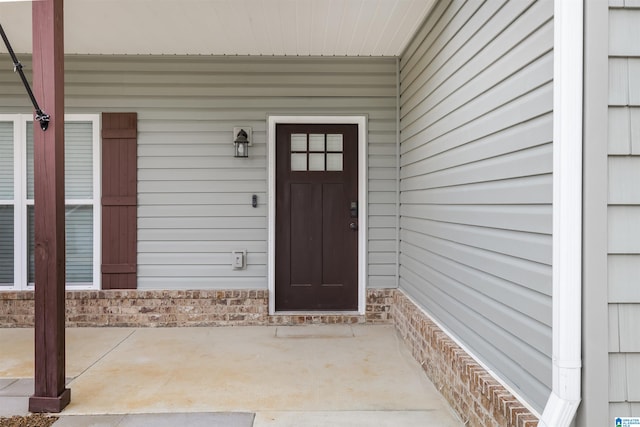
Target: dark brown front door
[{"x": 316, "y": 217}]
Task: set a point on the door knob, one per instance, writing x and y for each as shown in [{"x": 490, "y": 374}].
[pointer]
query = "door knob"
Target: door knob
[{"x": 353, "y": 226}]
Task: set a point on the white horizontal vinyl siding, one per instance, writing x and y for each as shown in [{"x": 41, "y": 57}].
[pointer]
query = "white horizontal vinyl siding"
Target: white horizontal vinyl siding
[
  {"x": 194, "y": 197},
  {"x": 624, "y": 209},
  {"x": 476, "y": 182}
]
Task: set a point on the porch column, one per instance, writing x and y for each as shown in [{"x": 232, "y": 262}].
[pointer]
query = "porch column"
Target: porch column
[{"x": 48, "y": 83}]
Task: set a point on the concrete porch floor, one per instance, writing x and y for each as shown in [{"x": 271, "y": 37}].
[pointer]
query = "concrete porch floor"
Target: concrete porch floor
[{"x": 317, "y": 375}]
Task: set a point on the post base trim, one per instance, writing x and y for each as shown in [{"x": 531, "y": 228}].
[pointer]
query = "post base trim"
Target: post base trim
[{"x": 50, "y": 404}]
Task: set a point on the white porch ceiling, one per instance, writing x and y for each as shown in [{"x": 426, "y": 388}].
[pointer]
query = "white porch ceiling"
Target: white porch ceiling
[{"x": 227, "y": 27}]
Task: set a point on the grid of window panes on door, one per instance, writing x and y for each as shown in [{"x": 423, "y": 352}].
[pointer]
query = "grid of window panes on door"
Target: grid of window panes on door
[
  {"x": 17, "y": 231},
  {"x": 316, "y": 152}
]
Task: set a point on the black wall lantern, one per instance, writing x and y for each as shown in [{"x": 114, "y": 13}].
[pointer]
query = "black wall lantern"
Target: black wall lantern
[{"x": 242, "y": 140}]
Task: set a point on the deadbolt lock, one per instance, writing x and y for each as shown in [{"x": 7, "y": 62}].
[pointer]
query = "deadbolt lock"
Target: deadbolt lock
[{"x": 353, "y": 209}]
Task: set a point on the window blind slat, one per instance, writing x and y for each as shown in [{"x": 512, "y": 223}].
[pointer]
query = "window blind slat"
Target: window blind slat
[
  {"x": 6, "y": 160},
  {"x": 30, "y": 160},
  {"x": 78, "y": 160},
  {"x": 78, "y": 242},
  {"x": 78, "y": 163},
  {"x": 6, "y": 246}
]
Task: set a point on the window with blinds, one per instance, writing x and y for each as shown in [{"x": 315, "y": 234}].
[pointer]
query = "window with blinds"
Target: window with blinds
[{"x": 17, "y": 203}]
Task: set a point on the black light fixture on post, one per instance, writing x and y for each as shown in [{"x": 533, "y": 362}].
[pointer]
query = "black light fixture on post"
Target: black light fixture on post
[{"x": 241, "y": 141}]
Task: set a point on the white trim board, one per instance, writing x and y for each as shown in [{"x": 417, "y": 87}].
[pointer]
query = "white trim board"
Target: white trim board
[{"x": 361, "y": 121}]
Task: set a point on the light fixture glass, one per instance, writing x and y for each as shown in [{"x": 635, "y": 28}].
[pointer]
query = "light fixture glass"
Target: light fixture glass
[{"x": 241, "y": 143}]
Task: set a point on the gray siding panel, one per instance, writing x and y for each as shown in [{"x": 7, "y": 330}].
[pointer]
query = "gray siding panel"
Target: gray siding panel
[
  {"x": 634, "y": 80},
  {"x": 634, "y": 131},
  {"x": 629, "y": 315},
  {"x": 617, "y": 378},
  {"x": 614, "y": 334},
  {"x": 624, "y": 278},
  {"x": 194, "y": 198},
  {"x": 624, "y": 32},
  {"x": 624, "y": 176},
  {"x": 516, "y": 191},
  {"x": 633, "y": 376},
  {"x": 624, "y": 381},
  {"x": 619, "y": 135},
  {"x": 476, "y": 185},
  {"x": 534, "y": 218},
  {"x": 624, "y": 208},
  {"x": 529, "y": 246},
  {"x": 619, "y": 410},
  {"x": 624, "y": 81},
  {"x": 618, "y": 81},
  {"x": 624, "y": 233}
]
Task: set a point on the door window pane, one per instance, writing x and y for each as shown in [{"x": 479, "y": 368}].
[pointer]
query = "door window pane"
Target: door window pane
[
  {"x": 316, "y": 142},
  {"x": 6, "y": 245},
  {"x": 6, "y": 160},
  {"x": 334, "y": 142},
  {"x": 298, "y": 162},
  {"x": 334, "y": 161},
  {"x": 316, "y": 162},
  {"x": 299, "y": 142}
]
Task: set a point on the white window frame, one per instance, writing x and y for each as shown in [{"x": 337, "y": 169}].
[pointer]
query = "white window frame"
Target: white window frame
[
  {"x": 20, "y": 201},
  {"x": 15, "y": 119}
]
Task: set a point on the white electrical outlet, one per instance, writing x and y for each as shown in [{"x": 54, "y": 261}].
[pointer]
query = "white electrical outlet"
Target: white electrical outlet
[{"x": 239, "y": 259}]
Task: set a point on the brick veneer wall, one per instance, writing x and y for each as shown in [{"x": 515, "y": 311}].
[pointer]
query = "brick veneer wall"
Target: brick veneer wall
[
  {"x": 472, "y": 392},
  {"x": 179, "y": 308}
]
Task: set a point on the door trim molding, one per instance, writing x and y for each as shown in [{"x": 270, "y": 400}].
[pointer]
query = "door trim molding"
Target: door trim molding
[{"x": 361, "y": 121}]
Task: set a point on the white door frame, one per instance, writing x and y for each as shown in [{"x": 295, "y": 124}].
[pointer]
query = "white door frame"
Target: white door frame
[{"x": 361, "y": 121}]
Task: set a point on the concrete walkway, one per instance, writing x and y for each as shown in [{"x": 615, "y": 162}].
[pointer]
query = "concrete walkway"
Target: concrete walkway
[{"x": 338, "y": 375}]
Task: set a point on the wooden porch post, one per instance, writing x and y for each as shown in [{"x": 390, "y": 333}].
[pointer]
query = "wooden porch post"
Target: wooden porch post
[{"x": 48, "y": 82}]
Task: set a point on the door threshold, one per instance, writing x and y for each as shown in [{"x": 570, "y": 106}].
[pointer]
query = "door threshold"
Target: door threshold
[{"x": 317, "y": 313}]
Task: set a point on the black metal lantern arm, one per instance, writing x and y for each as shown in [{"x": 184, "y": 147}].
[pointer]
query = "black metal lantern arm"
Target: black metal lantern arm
[{"x": 41, "y": 116}]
